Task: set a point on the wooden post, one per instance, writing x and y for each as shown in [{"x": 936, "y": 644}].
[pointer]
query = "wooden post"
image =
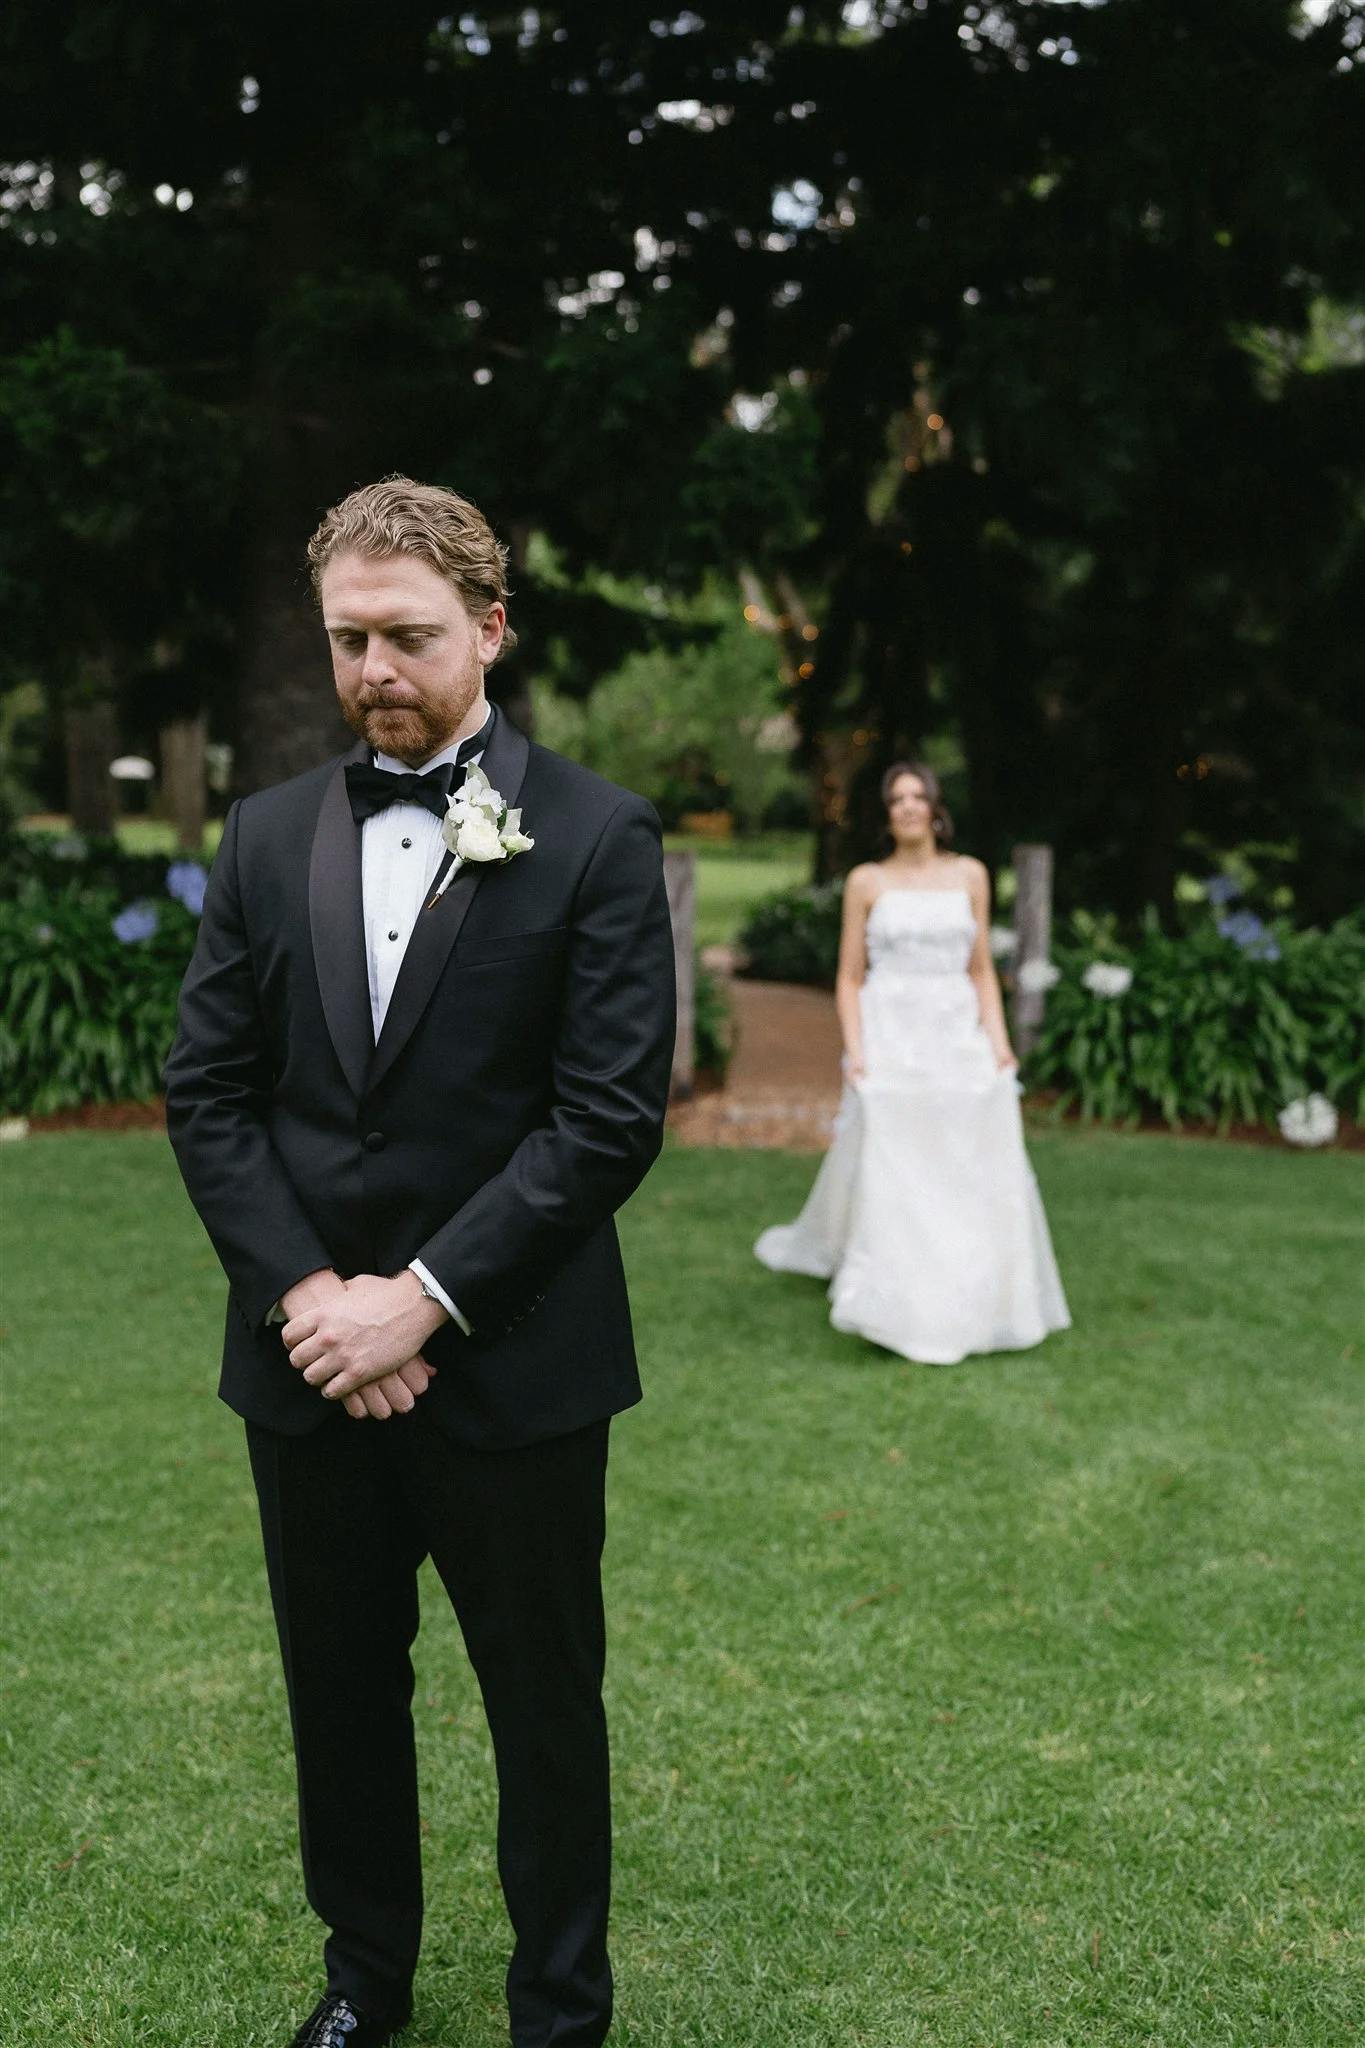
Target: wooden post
[
  {"x": 1033, "y": 938},
  {"x": 184, "y": 791},
  {"x": 90, "y": 729},
  {"x": 680, "y": 879}
]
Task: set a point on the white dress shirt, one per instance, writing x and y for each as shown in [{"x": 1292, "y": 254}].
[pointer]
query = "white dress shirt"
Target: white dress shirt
[{"x": 400, "y": 850}]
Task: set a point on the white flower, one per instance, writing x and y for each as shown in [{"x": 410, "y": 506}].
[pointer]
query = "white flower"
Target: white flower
[
  {"x": 475, "y": 836},
  {"x": 1107, "y": 978},
  {"x": 1309, "y": 1121},
  {"x": 513, "y": 838},
  {"x": 1036, "y": 977},
  {"x": 1003, "y": 941},
  {"x": 477, "y": 793},
  {"x": 479, "y": 827},
  {"x": 12, "y": 1128}
]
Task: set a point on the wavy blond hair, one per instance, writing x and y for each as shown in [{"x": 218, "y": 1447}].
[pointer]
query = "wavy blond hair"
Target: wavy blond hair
[{"x": 436, "y": 526}]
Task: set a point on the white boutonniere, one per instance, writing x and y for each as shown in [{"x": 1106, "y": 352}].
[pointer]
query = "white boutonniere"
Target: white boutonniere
[{"x": 478, "y": 826}]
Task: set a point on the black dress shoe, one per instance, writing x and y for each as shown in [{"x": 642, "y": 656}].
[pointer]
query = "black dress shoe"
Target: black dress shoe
[{"x": 335, "y": 2023}]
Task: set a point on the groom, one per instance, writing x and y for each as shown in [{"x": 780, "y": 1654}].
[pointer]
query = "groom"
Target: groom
[{"x": 407, "y": 1094}]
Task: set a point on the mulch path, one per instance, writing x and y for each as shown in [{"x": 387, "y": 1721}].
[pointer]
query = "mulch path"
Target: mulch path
[
  {"x": 103, "y": 1116},
  {"x": 783, "y": 1086}
]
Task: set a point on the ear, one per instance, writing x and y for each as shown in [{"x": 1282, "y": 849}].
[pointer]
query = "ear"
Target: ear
[{"x": 490, "y": 631}]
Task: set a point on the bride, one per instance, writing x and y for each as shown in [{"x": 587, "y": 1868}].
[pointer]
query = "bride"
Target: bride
[{"x": 925, "y": 1217}]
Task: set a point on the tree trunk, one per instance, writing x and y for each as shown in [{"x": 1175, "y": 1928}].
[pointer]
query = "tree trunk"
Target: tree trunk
[
  {"x": 304, "y": 460},
  {"x": 90, "y": 729},
  {"x": 1032, "y": 939},
  {"x": 184, "y": 792},
  {"x": 288, "y": 718}
]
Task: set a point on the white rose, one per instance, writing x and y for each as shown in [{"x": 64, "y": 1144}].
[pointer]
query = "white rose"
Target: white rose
[
  {"x": 453, "y": 823},
  {"x": 1003, "y": 941},
  {"x": 1107, "y": 978},
  {"x": 477, "y": 838},
  {"x": 1309, "y": 1121},
  {"x": 478, "y": 793},
  {"x": 1036, "y": 977}
]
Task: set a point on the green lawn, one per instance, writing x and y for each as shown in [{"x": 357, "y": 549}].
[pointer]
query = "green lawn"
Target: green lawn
[
  {"x": 733, "y": 875},
  {"x": 1008, "y": 1705}
]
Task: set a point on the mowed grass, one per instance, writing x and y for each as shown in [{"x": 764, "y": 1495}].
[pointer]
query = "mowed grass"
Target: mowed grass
[
  {"x": 1008, "y": 1705},
  {"x": 735, "y": 874}
]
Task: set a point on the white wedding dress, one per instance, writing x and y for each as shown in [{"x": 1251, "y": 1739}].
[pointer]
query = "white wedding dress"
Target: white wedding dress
[{"x": 925, "y": 1217}]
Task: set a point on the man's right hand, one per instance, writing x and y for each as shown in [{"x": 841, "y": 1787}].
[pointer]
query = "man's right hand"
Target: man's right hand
[{"x": 396, "y": 1393}]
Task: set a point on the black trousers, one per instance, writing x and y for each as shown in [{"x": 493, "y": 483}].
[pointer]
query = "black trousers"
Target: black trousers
[{"x": 348, "y": 1514}]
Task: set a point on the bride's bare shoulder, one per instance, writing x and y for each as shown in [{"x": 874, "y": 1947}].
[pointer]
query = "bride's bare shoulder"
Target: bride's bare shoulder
[
  {"x": 974, "y": 872},
  {"x": 862, "y": 883}
]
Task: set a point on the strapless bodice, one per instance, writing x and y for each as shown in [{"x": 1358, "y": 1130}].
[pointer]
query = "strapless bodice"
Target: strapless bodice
[{"x": 920, "y": 931}]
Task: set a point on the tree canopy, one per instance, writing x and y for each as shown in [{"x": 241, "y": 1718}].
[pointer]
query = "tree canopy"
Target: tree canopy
[{"x": 1012, "y": 350}]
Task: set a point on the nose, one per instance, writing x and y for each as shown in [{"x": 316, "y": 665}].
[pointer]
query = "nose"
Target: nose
[{"x": 378, "y": 666}]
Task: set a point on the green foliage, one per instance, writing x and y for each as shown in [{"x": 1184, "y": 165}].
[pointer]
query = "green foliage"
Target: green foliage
[
  {"x": 1207, "y": 1030},
  {"x": 86, "y": 1017},
  {"x": 117, "y": 501},
  {"x": 1116, "y": 256},
  {"x": 733, "y": 875},
  {"x": 752, "y": 492},
  {"x": 713, "y": 1031},
  {"x": 685, "y": 727},
  {"x": 62, "y": 862},
  {"x": 794, "y": 935},
  {"x": 22, "y": 710}
]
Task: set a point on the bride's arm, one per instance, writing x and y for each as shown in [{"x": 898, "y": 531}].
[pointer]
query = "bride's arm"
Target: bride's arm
[
  {"x": 859, "y": 891},
  {"x": 981, "y": 968}
]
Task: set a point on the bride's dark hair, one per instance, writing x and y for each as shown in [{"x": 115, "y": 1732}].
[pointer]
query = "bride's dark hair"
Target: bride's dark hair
[{"x": 940, "y": 816}]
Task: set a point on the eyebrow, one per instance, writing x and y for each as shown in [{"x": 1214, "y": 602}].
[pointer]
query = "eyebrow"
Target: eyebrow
[{"x": 387, "y": 626}]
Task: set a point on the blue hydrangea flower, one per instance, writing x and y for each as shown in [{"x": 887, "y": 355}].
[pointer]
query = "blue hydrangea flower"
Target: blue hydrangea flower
[
  {"x": 1243, "y": 927},
  {"x": 137, "y": 921},
  {"x": 186, "y": 880},
  {"x": 1221, "y": 890},
  {"x": 1248, "y": 931}
]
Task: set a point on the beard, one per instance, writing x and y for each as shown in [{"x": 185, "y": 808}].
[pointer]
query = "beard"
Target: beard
[{"x": 413, "y": 732}]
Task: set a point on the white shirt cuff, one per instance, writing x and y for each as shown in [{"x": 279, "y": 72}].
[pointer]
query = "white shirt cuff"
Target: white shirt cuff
[{"x": 429, "y": 1279}]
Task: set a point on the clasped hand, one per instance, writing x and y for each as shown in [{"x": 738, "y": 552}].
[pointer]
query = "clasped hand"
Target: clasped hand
[{"x": 359, "y": 1341}]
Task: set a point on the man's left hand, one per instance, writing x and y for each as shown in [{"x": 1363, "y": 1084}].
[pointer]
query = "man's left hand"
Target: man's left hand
[{"x": 376, "y": 1326}]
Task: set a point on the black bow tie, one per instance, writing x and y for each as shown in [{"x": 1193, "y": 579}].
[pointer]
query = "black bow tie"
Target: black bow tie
[{"x": 374, "y": 789}]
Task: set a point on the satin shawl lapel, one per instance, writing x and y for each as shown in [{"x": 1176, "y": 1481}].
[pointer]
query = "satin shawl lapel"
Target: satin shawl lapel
[
  {"x": 436, "y": 930},
  {"x": 336, "y": 916}
]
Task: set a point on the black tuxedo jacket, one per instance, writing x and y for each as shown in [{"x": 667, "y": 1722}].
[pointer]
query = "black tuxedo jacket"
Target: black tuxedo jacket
[{"x": 514, "y": 1100}]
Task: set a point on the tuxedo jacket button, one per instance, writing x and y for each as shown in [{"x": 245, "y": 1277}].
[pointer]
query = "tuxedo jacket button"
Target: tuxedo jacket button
[{"x": 375, "y": 1141}]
